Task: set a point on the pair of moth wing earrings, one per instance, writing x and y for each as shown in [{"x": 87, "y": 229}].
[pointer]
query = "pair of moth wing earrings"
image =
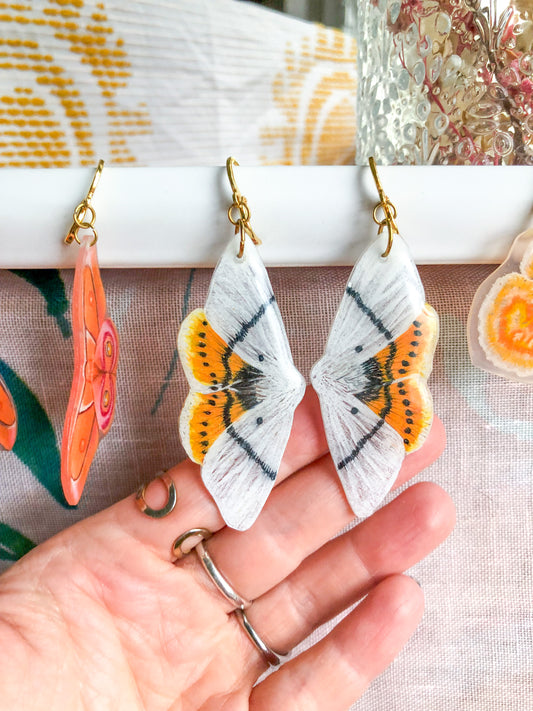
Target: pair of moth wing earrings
[
  {"x": 371, "y": 380},
  {"x": 244, "y": 387},
  {"x": 92, "y": 396}
]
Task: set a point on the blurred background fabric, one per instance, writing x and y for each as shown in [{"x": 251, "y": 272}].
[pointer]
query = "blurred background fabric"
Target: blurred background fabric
[
  {"x": 177, "y": 83},
  {"x": 147, "y": 82},
  {"x": 472, "y": 650}
]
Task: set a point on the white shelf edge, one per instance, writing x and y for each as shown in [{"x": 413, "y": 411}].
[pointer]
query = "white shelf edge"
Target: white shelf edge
[{"x": 308, "y": 216}]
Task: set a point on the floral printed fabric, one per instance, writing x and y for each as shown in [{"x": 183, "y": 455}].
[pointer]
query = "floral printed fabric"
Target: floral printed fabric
[{"x": 472, "y": 650}]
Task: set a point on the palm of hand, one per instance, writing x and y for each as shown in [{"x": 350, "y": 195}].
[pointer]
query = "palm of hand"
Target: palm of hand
[
  {"x": 119, "y": 629},
  {"x": 99, "y": 617}
]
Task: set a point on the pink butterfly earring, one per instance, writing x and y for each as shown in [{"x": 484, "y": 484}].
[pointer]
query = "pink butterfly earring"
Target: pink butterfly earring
[{"x": 93, "y": 394}]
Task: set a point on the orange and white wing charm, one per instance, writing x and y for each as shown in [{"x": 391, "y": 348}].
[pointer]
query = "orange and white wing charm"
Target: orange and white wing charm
[
  {"x": 500, "y": 323},
  {"x": 244, "y": 387},
  {"x": 372, "y": 378},
  {"x": 8, "y": 418},
  {"x": 93, "y": 394}
]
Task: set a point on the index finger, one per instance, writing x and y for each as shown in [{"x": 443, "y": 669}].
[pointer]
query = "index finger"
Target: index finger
[{"x": 196, "y": 508}]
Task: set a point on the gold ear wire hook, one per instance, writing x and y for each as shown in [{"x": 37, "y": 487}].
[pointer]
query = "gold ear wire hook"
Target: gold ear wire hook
[
  {"x": 239, "y": 203},
  {"x": 83, "y": 210},
  {"x": 231, "y": 161},
  {"x": 389, "y": 210},
  {"x": 96, "y": 179}
]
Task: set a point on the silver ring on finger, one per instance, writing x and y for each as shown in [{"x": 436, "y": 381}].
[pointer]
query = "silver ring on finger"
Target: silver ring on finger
[
  {"x": 269, "y": 655},
  {"x": 222, "y": 584},
  {"x": 185, "y": 543}
]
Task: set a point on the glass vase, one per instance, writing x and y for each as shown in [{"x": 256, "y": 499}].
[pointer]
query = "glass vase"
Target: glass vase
[{"x": 448, "y": 82}]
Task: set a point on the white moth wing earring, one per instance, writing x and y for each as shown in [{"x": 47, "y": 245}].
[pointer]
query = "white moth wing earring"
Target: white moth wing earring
[
  {"x": 372, "y": 378},
  {"x": 244, "y": 387}
]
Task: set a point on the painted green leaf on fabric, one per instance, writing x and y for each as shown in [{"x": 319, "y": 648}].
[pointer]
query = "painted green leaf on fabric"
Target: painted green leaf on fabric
[
  {"x": 52, "y": 287},
  {"x": 174, "y": 359},
  {"x": 13, "y": 544},
  {"x": 36, "y": 444}
]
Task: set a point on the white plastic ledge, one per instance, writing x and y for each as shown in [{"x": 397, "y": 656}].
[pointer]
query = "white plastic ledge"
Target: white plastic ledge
[{"x": 176, "y": 217}]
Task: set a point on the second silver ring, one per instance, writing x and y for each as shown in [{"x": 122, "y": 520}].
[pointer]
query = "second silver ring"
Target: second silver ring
[{"x": 221, "y": 582}]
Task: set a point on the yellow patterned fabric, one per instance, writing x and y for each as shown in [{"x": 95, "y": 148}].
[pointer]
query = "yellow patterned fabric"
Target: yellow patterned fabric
[{"x": 147, "y": 82}]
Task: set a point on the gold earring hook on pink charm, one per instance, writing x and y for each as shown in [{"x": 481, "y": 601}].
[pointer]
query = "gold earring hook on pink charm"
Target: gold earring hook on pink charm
[
  {"x": 242, "y": 222},
  {"x": 389, "y": 210},
  {"x": 85, "y": 210}
]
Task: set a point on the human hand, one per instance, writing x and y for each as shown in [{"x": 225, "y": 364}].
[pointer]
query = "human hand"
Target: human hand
[{"x": 99, "y": 617}]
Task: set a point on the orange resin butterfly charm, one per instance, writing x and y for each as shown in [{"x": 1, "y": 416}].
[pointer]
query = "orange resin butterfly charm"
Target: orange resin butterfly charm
[
  {"x": 8, "y": 418},
  {"x": 93, "y": 394},
  {"x": 500, "y": 323}
]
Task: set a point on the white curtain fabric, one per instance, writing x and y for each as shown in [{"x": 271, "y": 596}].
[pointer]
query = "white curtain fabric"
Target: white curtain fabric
[{"x": 148, "y": 82}]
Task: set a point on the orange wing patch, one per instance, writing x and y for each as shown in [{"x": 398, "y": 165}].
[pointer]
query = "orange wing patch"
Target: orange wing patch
[
  {"x": 209, "y": 415},
  {"x": 93, "y": 300},
  {"x": 8, "y": 418},
  {"x": 82, "y": 448},
  {"x": 206, "y": 355},
  {"x": 223, "y": 385},
  {"x": 413, "y": 350},
  {"x": 398, "y": 390},
  {"x": 411, "y": 411}
]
